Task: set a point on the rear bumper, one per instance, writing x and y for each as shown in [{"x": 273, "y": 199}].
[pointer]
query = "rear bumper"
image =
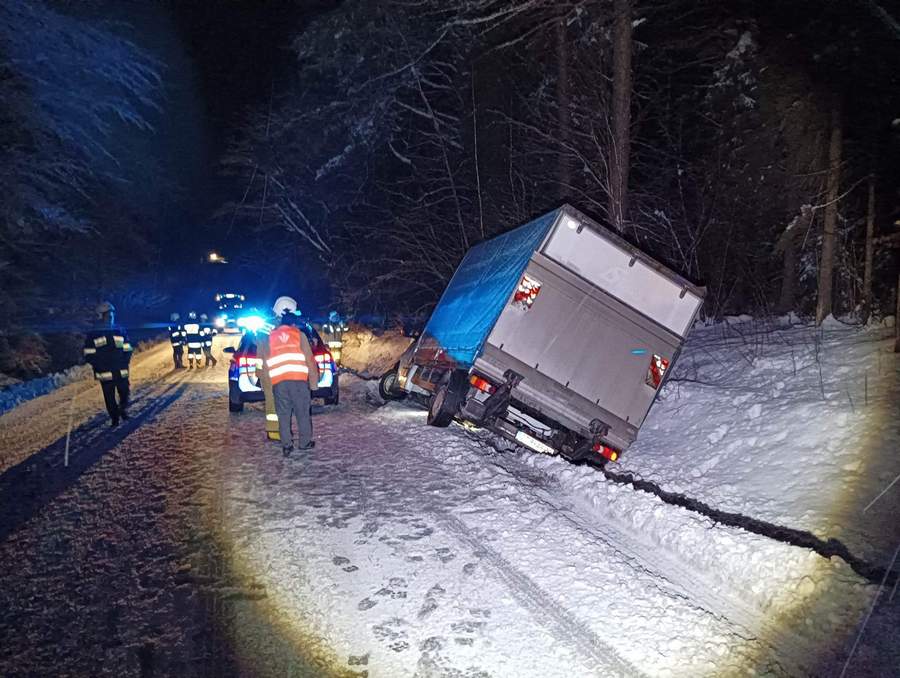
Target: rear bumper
[
  {"x": 322, "y": 393},
  {"x": 258, "y": 396},
  {"x": 555, "y": 401},
  {"x": 252, "y": 396}
]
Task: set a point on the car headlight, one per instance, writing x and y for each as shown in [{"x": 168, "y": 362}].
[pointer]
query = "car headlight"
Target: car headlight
[{"x": 220, "y": 322}]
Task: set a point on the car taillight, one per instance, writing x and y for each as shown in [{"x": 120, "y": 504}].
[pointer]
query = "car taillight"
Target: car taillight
[
  {"x": 526, "y": 292},
  {"x": 482, "y": 384},
  {"x": 324, "y": 360},
  {"x": 606, "y": 451},
  {"x": 246, "y": 364}
]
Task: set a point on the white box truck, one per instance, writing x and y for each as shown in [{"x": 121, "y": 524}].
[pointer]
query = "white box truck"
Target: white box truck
[{"x": 557, "y": 334}]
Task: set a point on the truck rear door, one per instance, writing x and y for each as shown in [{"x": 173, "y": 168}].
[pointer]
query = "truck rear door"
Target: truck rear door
[{"x": 604, "y": 322}]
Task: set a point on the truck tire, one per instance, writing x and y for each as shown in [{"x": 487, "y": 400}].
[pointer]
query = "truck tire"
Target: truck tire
[
  {"x": 235, "y": 404},
  {"x": 448, "y": 398},
  {"x": 387, "y": 385}
]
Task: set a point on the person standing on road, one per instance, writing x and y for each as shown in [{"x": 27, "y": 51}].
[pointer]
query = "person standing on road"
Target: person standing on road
[
  {"x": 176, "y": 337},
  {"x": 107, "y": 350},
  {"x": 290, "y": 367},
  {"x": 207, "y": 331},
  {"x": 262, "y": 352},
  {"x": 193, "y": 336}
]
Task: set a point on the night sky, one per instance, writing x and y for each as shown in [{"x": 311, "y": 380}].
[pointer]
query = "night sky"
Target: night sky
[{"x": 221, "y": 59}]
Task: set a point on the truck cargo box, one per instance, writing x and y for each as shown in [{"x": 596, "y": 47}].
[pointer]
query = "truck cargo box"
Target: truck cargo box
[{"x": 588, "y": 323}]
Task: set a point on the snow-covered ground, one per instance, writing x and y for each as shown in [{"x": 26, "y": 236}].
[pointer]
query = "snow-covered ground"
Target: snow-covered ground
[
  {"x": 184, "y": 544},
  {"x": 791, "y": 425}
]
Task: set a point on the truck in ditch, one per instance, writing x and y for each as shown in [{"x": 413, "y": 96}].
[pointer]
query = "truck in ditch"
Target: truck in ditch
[{"x": 557, "y": 335}]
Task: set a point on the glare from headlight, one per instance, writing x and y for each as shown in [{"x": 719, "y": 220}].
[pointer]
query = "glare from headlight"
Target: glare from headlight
[{"x": 252, "y": 323}]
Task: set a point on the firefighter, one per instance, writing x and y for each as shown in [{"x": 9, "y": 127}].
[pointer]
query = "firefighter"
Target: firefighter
[
  {"x": 290, "y": 367},
  {"x": 108, "y": 352},
  {"x": 176, "y": 337},
  {"x": 262, "y": 350},
  {"x": 207, "y": 331},
  {"x": 193, "y": 336}
]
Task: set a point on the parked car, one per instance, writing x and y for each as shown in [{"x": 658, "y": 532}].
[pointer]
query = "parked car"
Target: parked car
[
  {"x": 243, "y": 382},
  {"x": 557, "y": 335}
]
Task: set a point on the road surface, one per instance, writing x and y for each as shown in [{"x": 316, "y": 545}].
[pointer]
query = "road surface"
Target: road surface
[{"x": 183, "y": 544}]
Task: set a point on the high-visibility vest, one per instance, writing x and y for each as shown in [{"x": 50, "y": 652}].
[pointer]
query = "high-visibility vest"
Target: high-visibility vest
[
  {"x": 194, "y": 336},
  {"x": 286, "y": 361},
  {"x": 176, "y": 335},
  {"x": 207, "y": 333}
]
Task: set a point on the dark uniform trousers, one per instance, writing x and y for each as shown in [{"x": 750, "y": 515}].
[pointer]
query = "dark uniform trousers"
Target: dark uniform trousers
[
  {"x": 293, "y": 398},
  {"x": 109, "y": 397}
]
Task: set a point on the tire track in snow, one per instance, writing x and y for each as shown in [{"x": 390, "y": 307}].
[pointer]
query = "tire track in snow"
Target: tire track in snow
[
  {"x": 747, "y": 621},
  {"x": 564, "y": 626},
  {"x": 672, "y": 574}
]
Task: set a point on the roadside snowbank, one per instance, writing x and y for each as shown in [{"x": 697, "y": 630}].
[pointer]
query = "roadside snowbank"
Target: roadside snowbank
[
  {"x": 33, "y": 388},
  {"x": 22, "y": 391},
  {"x": 369, "y": 354},
  {"x": 793, "y": 425},
  {"x": 38, "y": 421}
]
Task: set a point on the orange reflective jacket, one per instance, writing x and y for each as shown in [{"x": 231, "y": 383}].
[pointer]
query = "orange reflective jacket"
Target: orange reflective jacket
[{"x": 286, "y": 360}]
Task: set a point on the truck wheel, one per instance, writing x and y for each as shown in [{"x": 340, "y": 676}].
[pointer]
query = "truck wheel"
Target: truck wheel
[
  {"x": 387, "y": 386},
  {"x": 446, "y": 401},
  {"x": 235, "y": 404}
]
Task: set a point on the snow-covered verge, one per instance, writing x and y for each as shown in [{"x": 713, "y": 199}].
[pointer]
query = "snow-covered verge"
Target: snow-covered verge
[
  {"x": 15, "y": 392},
  {"x": 792, "y": 425},
  {"x": 39, "y": 419},
  {"x": 369, "y": 354},
  {"x": 27, "y": 390}
]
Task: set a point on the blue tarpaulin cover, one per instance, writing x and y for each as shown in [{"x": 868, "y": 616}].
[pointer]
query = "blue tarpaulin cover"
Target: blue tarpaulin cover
[{"x": 480, "y": 288}]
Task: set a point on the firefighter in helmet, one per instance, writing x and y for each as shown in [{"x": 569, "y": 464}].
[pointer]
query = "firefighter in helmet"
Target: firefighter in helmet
[
  {"x": 290, "y": 367},
  {"x": 194, "y": 340},
  {"x": 107, "y": 350},
  {"x": 207, "y": 331},
  {"x": 176, "y": 338}
]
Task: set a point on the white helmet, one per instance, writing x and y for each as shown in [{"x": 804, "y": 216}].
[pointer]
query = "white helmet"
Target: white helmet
[
  {"x": 192, "y": 315},
  {"x": 105, "y": 307},
  {"x": 174, "y": 317},
  {"x": 203, "y": 317},
  {"x": 284, "y": 305}
]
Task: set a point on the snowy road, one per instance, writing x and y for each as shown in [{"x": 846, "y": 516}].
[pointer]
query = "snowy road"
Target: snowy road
[{"x": 184, "y": 544}]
